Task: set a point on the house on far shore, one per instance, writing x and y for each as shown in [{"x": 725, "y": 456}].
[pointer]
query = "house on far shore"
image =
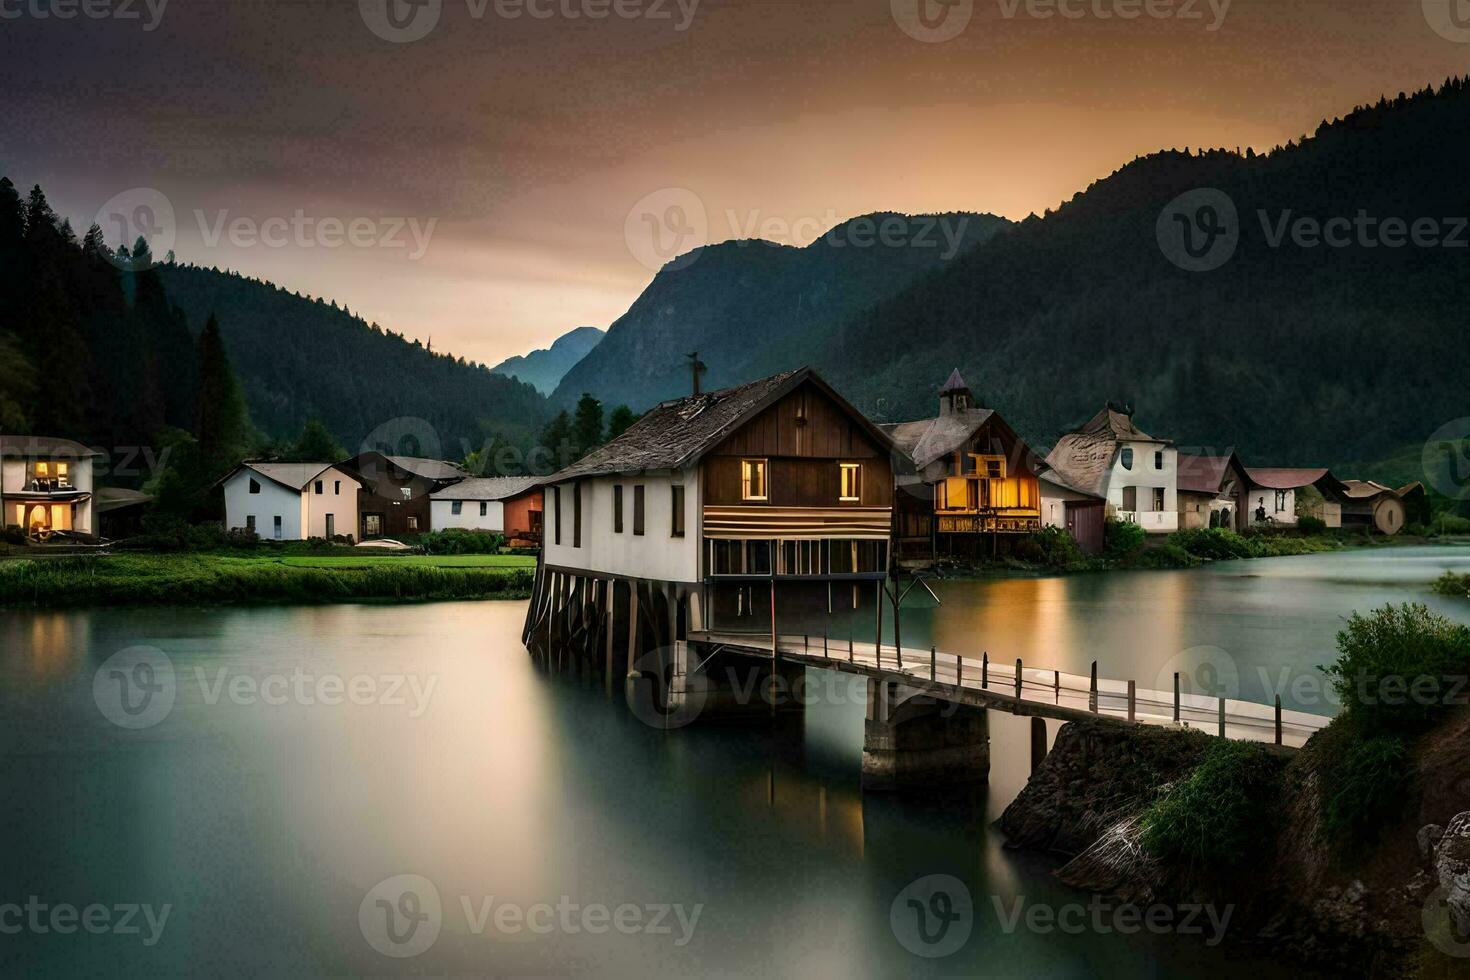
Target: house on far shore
[
  {"x": 1374, "y": 506},
  {"x": 46, "y": 485},
  {"x": 966, "y": 482},
  {"x": 120, "y": 511},
  {"x": 1213, "y": 491},
  {"x": 1136, "y": 473},
  {"x": 508, "y": 505},
  {"x": 395, "y": 496},
  {"x": 290, "y": 501},
  {"x": 1274, "y": 492},
  {"x": 1080, "y": 513}
]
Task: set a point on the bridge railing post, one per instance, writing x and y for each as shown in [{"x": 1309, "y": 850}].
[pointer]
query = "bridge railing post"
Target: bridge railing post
[
  {"x": 824, "y": 644},
  {"x": 959, "y": 670},
  {"x": 1278, "y": 719},
  {"x": 985, "y": 670},
  {"x": 806, "y": 642},
  {"x": 1222, "y": 717},
  {"x": 1056, "y": 685},
  {"x": 1176, "y": 697},
  {"x": 1018, "y": 678},
  {"x": 1092, "y": 690},
  {"x": 1132, "y": 699},
  {"x": 849, "y": 650},
  {"x": 933, "y": 664}
]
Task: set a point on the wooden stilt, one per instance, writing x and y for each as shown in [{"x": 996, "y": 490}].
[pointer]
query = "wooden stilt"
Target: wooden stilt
[
  {"x": 775, "y": 645},
  {"x": 632, "y": 626},
  {"x": 612, "y": 638},
  {"x": 1038, "y": 743}
]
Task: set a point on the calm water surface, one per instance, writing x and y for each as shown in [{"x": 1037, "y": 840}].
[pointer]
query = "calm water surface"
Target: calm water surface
[{"x": 263, "y": 817}]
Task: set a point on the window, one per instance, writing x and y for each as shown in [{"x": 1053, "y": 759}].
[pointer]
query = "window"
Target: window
[
  {"x": 556, "y": 512},
  {"x": 276, "y": 527},
  {"x": 407, "y": 492},
  {"x": 336, "y": 488},
  {"x": 989, "y": 467},
  {"x": 483, "y": 508},
  {"x": 752, "y": 479},
  {"x": 1127, "y": 459},
  {"x": 852, "y": 481},
  {"x": 577, "y": 515},
  {"x": 1158, "y": 498},
  {"x": 1130, "y": 498},
  {"x": 254, "y": 485},
  {"x": 618, "y": 508},
  {"x": 413, "y": 522},
  {"x": 638, "y": 509},
  {"x": 319, "y": 490},
  {"x": 1158, "y": 460},
  {"x": 1280, "y": 501},
  {"x": 250, "y": 523},
  {"x": 676, "y": 517},
  {"x": 455, "y": 506}
]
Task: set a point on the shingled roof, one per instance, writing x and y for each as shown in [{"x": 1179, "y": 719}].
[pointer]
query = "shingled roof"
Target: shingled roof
[
  {"x": 486, "y": 488},
  {"x": 1084, "y": 456},
  {"x": 675, "y": 434},
  {"x": 926, "y": 440},
  {"x": 1204, "y": 474}
]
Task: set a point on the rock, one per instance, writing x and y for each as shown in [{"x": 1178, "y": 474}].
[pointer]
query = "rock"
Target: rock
[
  {"x": 1420, "y": 885},
  {"x": 1452, "y": 867},
  {"x": 1429, "y": 836}
]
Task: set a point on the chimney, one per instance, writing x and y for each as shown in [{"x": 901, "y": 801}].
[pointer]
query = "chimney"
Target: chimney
[{"x": 696, "y": 366}]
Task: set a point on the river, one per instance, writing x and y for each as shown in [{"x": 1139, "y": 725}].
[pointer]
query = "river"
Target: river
[{"x": 288, "y": 765}]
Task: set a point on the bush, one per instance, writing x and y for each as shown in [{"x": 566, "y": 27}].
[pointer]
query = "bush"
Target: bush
[
  {"x": 458, "y": 541},
  {"x": 1367, "y": 787},
  {"x": 14, "y": 534},
  {"x": 1212, "y": 542},
  {"x": 1450, "y": 524},
  {"x": 1164, "y": 556},
  {"x": 1307, "y": 524},
  {"x": 1451, "y": 584},
  {"x": 1051, "y": 546},
  {"x": 1213, "y": 817},
  {"x": 1121, "y": 538},
  {"x": 1400, "y": 668}
]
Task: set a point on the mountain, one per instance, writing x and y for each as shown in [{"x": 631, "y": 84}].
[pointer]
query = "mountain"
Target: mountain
[
  {"x": 1292, "y": 351},
  {"x": 752, "y": 307},
  {"x": 299, "y": 358},
  {"x": 542, "y": 369}
]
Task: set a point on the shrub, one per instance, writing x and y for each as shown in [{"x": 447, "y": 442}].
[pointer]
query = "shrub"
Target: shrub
[
  {"x": 458, "y": 541},
  {"x": 1451, "y": 584},
  {"x": 1214, "y": 816},
  {"x": 1164, "y": 556},
  {"x": 1450, "y": 524},
  {"x": 1121, "y": 538},
  {"x": 14, "y": 534},
  {"x": 1400, "y": 667},
  {"x": 1367, "y": 786},
  {"x": 1308, "y": 524},
  {"x": 1051, "y": 546},
  {"x": 1212, "y": 542}
]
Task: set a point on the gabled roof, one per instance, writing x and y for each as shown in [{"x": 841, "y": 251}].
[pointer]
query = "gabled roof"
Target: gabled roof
[
  {"x": 292, "y": 476},
  {"x": 1084, "y": 456},
  {"x": 429, "y": 469},
  {"x": 1050, "y": 475},
  {"x": 677, "y": 433},
  {"x": 1365, "y": 489},
  {"x": 25, "y": 447},
  {"x": 486, "y": 488},
  {"x": 926, "y": 440},
  {"x": 108, "y": 499},
  {"x": 1290, "y": 478},
  {"x": 1205, "y": 474}
]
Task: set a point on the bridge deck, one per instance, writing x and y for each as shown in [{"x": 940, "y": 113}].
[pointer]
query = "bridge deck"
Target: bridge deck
[{"x": 1044, "y": 692}]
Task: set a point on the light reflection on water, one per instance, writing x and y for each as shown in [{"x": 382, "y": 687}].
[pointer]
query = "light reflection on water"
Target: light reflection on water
[{"x": 264, "y": 825}]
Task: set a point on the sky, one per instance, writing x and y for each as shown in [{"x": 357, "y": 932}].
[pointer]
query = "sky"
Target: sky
[{"x": 488, "y": 174}]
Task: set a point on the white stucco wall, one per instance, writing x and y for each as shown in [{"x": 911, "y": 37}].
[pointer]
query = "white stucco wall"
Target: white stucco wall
[
  {"x": 655, "y": 554},
  {"x": 1266, "y": 497},
  {"x": 442, "y": 515},
  {"x": 338, "y": 498},
  {"x": 1146, "y": 477},
  {"x": 1054, "y": 502},
  {"x": 272, "y": 500}
]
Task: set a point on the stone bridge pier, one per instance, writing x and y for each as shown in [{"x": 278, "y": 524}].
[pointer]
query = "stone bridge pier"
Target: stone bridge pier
[{"x": 912, "y": 742}]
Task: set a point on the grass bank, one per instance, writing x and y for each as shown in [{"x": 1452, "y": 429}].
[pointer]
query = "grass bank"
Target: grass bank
[{"x": 212, "y": 579}]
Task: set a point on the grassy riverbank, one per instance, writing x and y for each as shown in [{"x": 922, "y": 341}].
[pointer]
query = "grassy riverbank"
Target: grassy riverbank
[{"x": 210, "y": 579}]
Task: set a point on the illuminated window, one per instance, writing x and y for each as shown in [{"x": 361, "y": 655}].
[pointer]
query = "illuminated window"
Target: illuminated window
[
  {"x": 752, "y": 479},
  {"x": 43, "y": 469},
  {"x": 852, "y": 481},
  {"x": 989, "y": 467}
]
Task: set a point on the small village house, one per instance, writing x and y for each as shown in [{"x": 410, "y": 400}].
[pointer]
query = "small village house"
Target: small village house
[
  {"x": 1080, "y": 513},
  {"x": 290, "y": 501},
  {"x": 732, "y": 507},
  {"x": 1213, "y": 492},
  {"x": 46, "y": 485},
  {"x": 1276, "y": 494},
  {"x": 1134, "y": 472},
  {"x": 394, "y": 501},
  {"x": 508, "y": 505},
  {"x": 1373, "y": 506},
  {"x": 966, "y": 482}
]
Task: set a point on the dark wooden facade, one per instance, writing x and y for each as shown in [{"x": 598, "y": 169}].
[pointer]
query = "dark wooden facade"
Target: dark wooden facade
[{"x": 393, "y": 502}]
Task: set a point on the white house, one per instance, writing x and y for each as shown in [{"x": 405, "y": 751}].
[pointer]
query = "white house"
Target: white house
[
  {"x": 479, "y": 503},
  {"x": 291, "y": 501},
  {"x": 1136, "y": 473},
  {"x": 1272, "y": 495},
  {"x": 46, "y": 485}
]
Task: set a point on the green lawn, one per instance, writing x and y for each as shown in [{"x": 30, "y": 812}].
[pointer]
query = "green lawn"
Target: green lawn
[{"x": 438, "y": 561}]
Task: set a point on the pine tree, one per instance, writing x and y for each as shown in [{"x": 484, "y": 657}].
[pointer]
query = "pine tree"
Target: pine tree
[
  {"x": 222, "y": 422},
  {"x": 315, "y": 445},
  {"x": 587, "y": 426},
  {"x": 621, "y": 419},
  {"x": 558, "y": 440}
]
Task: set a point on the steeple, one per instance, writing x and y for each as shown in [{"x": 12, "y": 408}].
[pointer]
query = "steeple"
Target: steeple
[{"x": 955, "y": 396}]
